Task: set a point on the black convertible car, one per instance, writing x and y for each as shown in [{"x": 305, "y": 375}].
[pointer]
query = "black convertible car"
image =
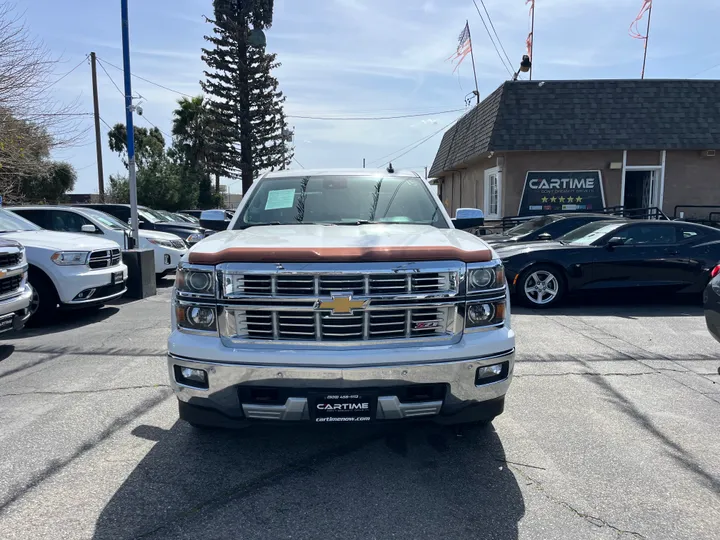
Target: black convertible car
[
  {"x": 546, "y": 227},
  {"x": 665, "y": 256}
]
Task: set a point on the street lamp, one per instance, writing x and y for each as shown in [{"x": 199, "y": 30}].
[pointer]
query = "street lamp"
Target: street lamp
[{"x": 525, "y": 66}]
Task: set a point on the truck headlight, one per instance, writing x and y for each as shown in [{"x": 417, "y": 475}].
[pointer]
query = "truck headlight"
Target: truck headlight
[
  {"x": 480, "y": 314},
  {"x": 196, "y": 317},
  {"x": 485, "y": 278},
  {"x": 195, "y": 280},
  {"x": 70, "y": 258}
]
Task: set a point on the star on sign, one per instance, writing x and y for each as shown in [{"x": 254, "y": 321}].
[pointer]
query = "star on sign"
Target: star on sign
[
  {"x": 569, "y": 199},
  {"x": 562, "y": 199},
  {"x": 544, "y": 199},
  {"x": 553, "y": 199},
  {"x": 578, "y": 199}
]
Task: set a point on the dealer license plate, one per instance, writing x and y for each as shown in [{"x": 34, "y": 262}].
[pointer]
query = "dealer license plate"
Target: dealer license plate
[
  {"x": 117, "y": 277},
  {"x": 6, "y": 323},
  {"x": 342, "y": 407}
]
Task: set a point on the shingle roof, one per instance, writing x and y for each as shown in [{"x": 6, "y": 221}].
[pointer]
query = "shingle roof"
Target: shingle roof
[{"x": 586, "y": 115}]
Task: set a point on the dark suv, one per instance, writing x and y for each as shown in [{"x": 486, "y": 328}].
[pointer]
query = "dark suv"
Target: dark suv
[{"x": 154, "y": 221}]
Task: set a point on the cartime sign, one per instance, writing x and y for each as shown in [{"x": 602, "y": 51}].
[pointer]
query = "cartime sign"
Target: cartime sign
[{"x": 564, "y": 191}]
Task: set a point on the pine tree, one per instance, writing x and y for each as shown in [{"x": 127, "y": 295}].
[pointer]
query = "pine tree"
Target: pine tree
[{"x": 249, "y": 125}]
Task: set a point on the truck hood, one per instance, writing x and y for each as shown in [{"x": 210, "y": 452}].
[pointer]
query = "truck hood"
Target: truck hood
[
  {"x": 58, "y": 241},
  {"x": 340, "y": 243}
]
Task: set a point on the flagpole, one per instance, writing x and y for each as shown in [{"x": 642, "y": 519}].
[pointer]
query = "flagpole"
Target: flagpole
[
  {"x": 647, "y": 37},
  {"x": 472, "y": 58},
  {"x": 532, "y": 37}
]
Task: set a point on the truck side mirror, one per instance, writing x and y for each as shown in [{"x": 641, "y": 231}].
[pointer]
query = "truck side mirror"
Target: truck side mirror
[{"x": 466, "y": 218}]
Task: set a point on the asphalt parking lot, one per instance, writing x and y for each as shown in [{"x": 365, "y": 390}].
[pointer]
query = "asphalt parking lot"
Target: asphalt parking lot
[{"x": 610, "y": 431}]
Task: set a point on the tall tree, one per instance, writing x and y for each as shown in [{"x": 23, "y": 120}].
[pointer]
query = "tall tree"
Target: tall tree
[
  {"x": 149, "y": 144},
  {"x": 245, "y": 103},
  {"x": 192, "y": 132},
  {"x": 51, "y": 185}
]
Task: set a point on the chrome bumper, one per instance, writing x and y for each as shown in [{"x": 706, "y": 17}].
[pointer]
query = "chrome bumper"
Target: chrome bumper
[
  {"x": 16, "y": 308},
  {"x": 224, "y": 380}
]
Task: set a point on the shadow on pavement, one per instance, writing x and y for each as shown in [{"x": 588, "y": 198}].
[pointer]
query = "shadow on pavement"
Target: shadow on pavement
[
  {"x": 6, "y": 351},
  {"x": 629, "y": 304},
  {"x": 410, "y": 481},
  {"x": 66, "y": 320}
]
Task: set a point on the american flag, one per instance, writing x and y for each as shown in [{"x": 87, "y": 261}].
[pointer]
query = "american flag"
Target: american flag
[
  {"x": 634, "y": 30},
  {"x": 464, "y": 47}
]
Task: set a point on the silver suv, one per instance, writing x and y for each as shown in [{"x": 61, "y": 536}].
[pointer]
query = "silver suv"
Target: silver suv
[{"x": 15, "y": 292}]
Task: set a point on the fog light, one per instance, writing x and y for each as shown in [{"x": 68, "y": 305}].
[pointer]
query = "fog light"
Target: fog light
[
  {"x": 191, "y": 377},
  {"x": 193, "y": 374},
  {"x": 493, "y": 373}
]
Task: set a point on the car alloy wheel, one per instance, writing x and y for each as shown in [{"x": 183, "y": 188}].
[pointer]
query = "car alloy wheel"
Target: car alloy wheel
[
  {"x": 541, "y": 287},
  {"x": 34, "y": 301}
]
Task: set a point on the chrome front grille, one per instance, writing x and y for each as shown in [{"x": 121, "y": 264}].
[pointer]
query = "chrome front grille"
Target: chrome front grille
[
  {"x": 104, "y": 258},
  {"x": 306, "y": 284},
  {"x": 283, "y": 303},
  {"x": 286, "y": 323}
]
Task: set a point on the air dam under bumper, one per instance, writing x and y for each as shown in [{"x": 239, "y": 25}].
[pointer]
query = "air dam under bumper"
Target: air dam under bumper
[{"x": 221, "y": 405}]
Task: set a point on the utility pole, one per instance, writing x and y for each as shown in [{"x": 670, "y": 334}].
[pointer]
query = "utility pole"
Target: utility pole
[
  {"x": 363, "y": 163},
  {"x": 98, "y": 142},
  {"x": 425, "y": 172},
  {"x": 246, "y": 155},
  {"x": 532, "y": 35},
  {"x": 129, "y": 122}
]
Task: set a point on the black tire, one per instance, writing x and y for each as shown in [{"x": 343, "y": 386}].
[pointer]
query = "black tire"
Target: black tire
[
  {"x": 44, "y": 303},
  {"x": 550, "y": 282}
]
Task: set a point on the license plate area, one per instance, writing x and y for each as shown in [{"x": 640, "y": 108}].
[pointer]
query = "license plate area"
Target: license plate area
[
  {"x": 343, "y": 406},
  {"x": 117, "y": 277}
]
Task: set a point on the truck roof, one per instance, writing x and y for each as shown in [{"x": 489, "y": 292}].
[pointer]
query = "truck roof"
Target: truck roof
[{"x": 338, "y": 172}]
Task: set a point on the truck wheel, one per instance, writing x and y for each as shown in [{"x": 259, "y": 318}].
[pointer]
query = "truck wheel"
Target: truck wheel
[
  {"x": 44, "y": 302},
  {"x": 541, "y": 286}
]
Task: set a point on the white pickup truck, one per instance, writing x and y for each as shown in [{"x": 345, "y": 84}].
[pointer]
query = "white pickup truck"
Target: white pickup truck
[{"x": 340, "y": 296}]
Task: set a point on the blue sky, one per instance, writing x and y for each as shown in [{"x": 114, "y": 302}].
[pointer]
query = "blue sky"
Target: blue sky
[{"x": 363, "y": 57}]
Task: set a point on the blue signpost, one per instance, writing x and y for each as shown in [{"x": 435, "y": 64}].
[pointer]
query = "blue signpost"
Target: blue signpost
[{"x": 129, "y": 121}]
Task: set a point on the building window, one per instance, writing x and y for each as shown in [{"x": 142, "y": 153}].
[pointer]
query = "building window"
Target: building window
[{"x": 493, "y": 193}]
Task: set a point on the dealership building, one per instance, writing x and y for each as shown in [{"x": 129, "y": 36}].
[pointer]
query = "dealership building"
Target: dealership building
[{"x": 534, "y": 147}]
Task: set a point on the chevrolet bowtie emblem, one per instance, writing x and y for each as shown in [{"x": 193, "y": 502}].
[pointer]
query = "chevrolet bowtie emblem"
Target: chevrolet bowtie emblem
[{"x": 341, "y": 305}]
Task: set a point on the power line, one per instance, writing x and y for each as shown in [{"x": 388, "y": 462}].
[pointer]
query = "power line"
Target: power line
[
  {"x": 296, "y": 161},
  {"x": 705, "y": 70},
  {"x": 149, "y": 81},
  {"x": 372, "y": 117},
  {"x": 495, "y": 32},
  {"x": 492, "y": 40},
  {"x": 413, "y": 146},
  {"x": 68, "y": 73},
  {"x": 109, "y": 77},
  {"x": 153, "y": 125},
  {"x": 108, "y": 125}
]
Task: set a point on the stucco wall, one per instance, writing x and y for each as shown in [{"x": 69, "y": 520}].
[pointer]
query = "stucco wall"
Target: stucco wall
[{"x": 690, "y": 178}]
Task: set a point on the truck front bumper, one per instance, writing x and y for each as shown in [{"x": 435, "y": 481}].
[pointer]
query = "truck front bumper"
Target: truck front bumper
[
  {"x": 443, "y": 391},
  {"x": 14, "y": 311}
]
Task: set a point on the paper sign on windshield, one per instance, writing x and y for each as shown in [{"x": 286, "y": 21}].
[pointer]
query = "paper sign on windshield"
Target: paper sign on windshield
[{"x": 280, "y": 198}]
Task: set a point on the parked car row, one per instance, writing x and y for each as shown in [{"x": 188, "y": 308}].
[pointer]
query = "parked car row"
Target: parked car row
[
  {"x": 64, "y": 257},
  {"x": 549, "y": 257}
]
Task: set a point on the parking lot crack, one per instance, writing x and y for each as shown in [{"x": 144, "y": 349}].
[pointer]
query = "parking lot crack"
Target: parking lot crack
[
  {"x": 593, "y": 520},
  {"x": 75, "y": 392}
]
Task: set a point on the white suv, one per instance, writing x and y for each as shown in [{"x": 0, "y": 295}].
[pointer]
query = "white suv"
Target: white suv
[
  {"x": 168, "y": 248},
  {"x": 66, "y": 270}
]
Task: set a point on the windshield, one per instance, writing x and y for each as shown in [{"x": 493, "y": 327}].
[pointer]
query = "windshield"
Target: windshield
[
  {"x": 111, "y": 222},
  {"x": 347, "y": 200},
  {"x": 167, "y": 215},
  {"x": 587, "y": 234},
  {"x": 150, "y": 216},
  {"x": 532, "y": 225},
  {"x": 10, "y": 222}
]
